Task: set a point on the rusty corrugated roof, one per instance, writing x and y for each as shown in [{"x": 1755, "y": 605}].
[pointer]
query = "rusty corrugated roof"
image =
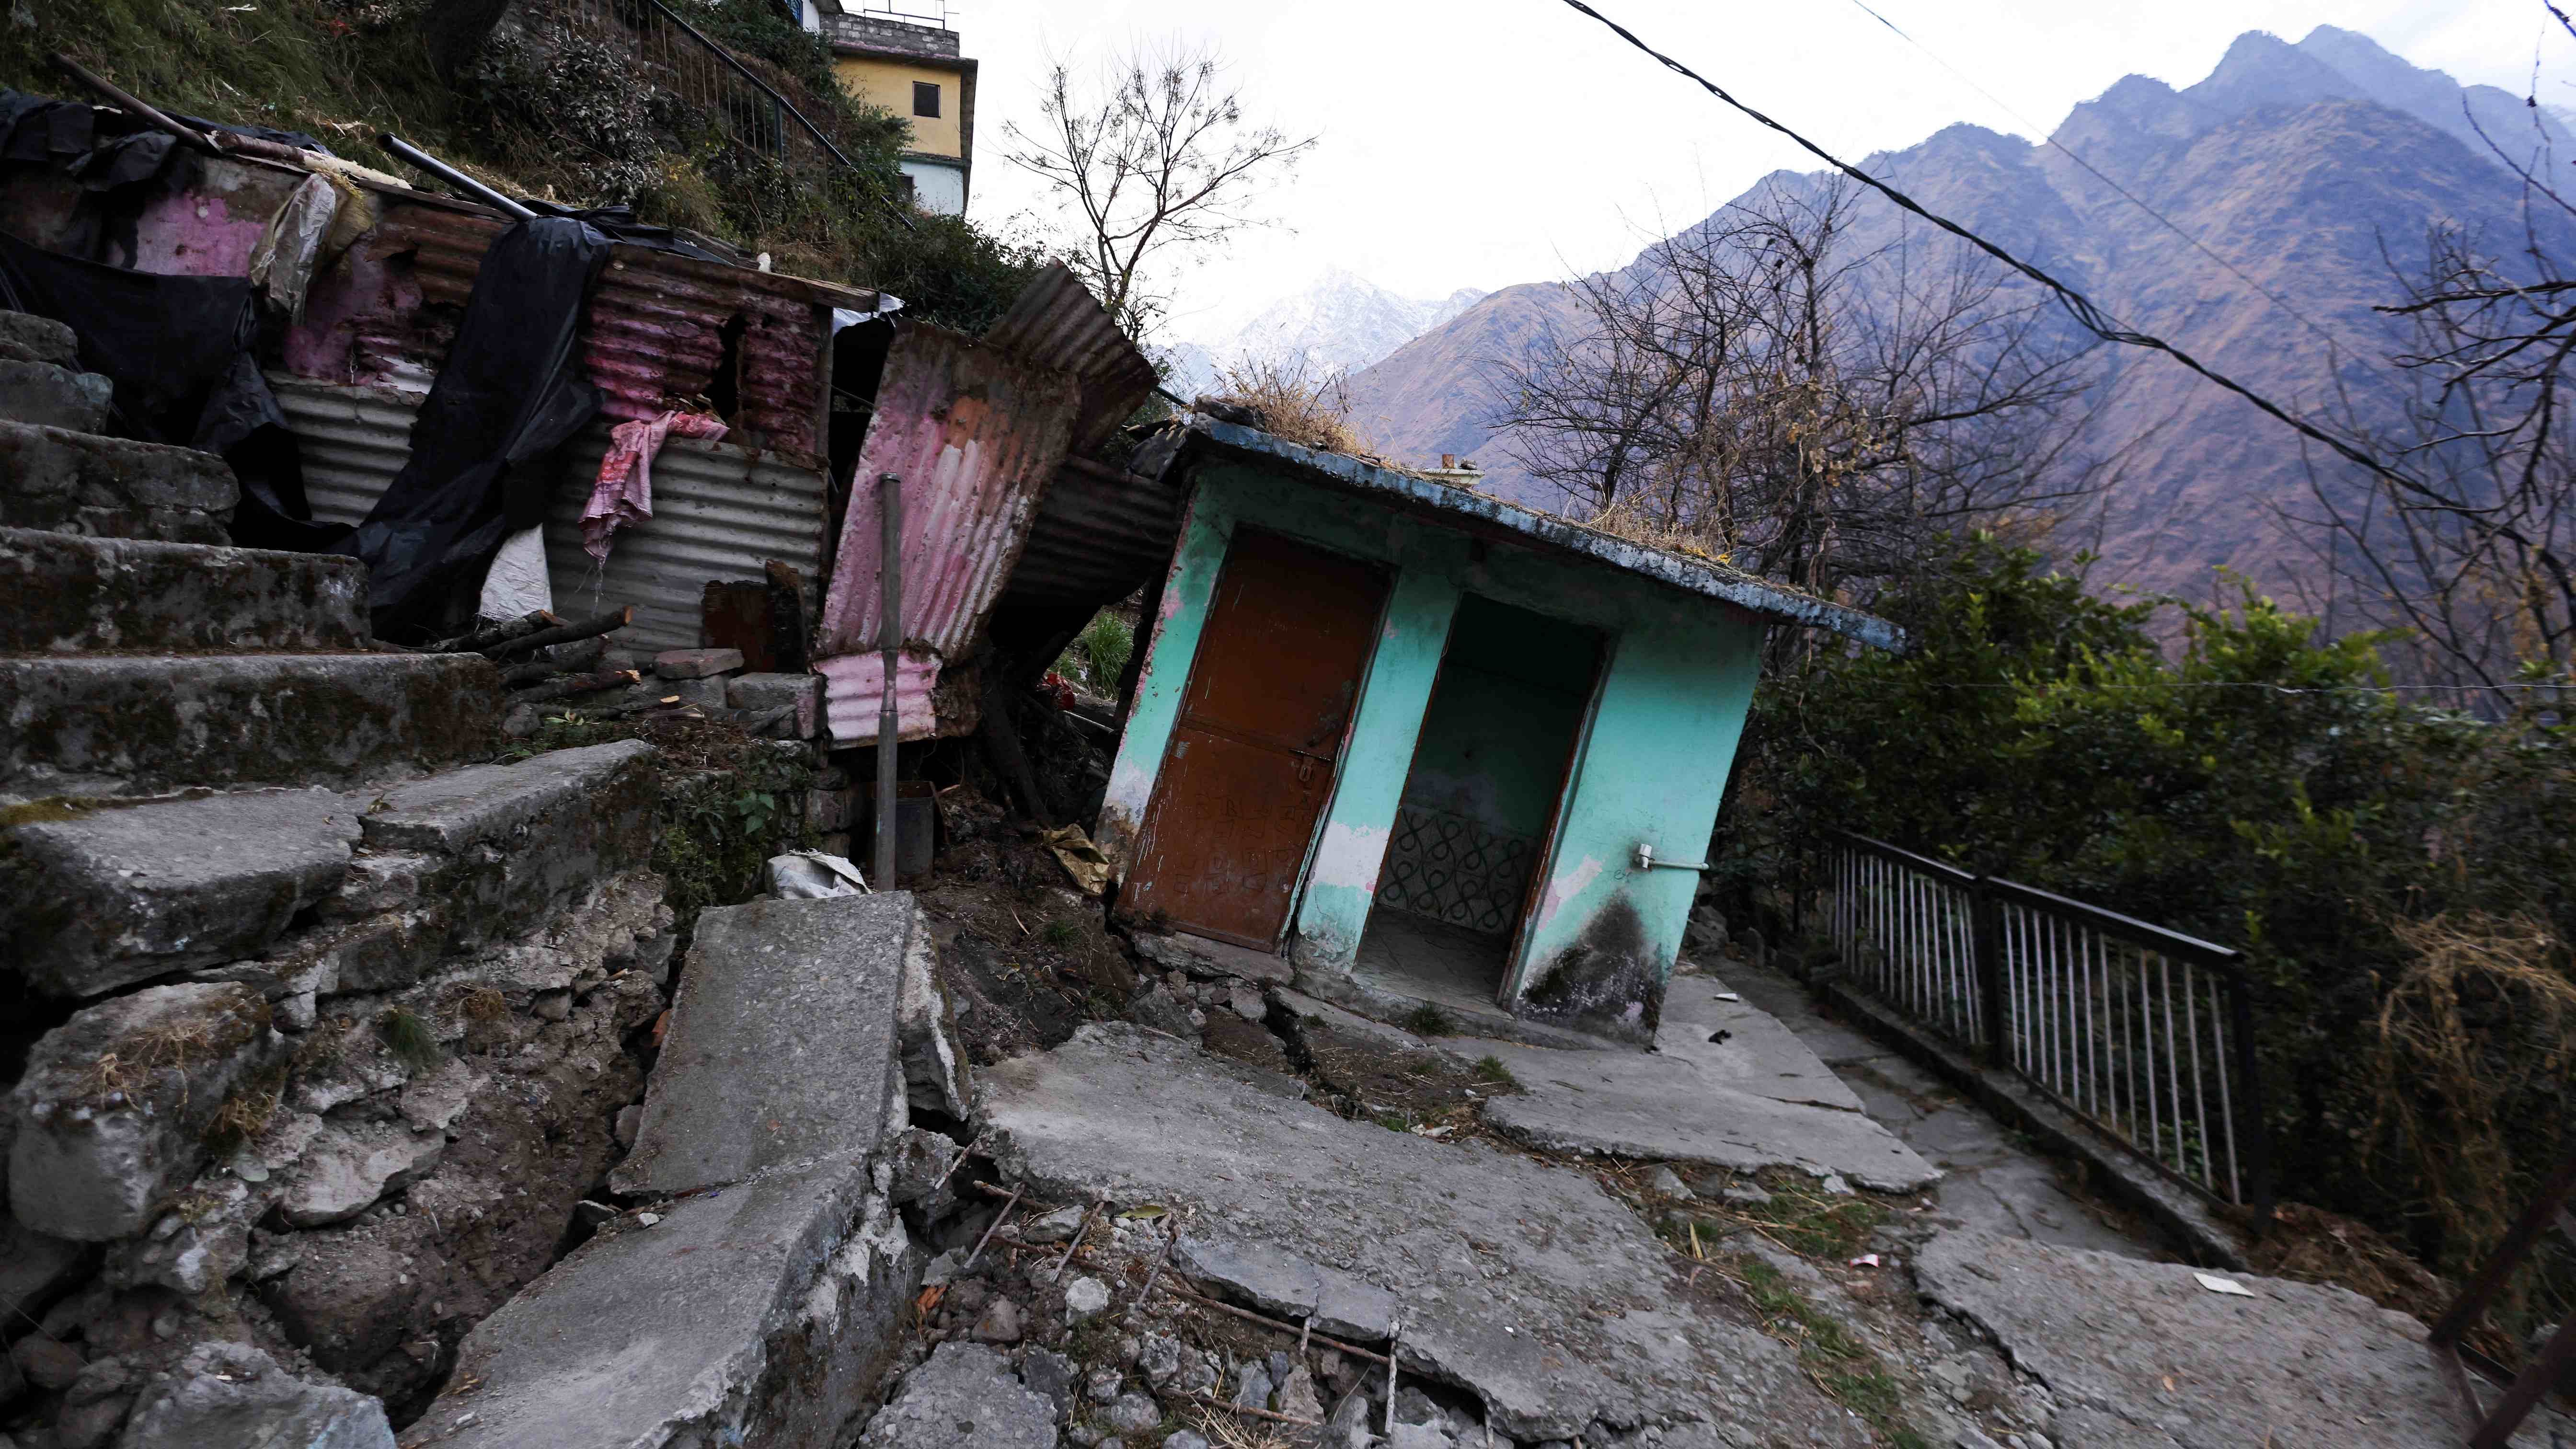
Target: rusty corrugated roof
[
  {"x": 719, "y": 511},
  {"x": 1057, "y": 323},
  {"x": 975, "y": 435},
  {"x": 654, "y": 329}
]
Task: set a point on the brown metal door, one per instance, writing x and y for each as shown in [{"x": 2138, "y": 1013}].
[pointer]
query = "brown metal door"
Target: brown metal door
[{"x": 1250, "y": 765}]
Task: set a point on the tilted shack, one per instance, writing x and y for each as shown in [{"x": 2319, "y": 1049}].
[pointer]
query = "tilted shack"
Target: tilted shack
[{"x": 1430, "y": 745}]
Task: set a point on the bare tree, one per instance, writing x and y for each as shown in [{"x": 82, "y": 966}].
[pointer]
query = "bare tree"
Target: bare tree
[
  {"x": 1758, "y": 389},
  {"x": 2465, "y": 540},
  {"x": 1158, "y": 156}
]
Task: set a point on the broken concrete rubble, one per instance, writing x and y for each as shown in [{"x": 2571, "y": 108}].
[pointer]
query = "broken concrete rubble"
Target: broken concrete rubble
[
  {"x": 233, "y": 1394},
  {"x": 966, "y": 1397},
  {"x": 759, "y": 1313},
  {"x": 1520, "y": 1283},
  {"x": 782, "y": 1042},
  {"x": 117, "y": 1106}
]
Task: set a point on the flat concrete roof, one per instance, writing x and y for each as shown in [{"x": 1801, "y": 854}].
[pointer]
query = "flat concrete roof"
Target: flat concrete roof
[{"x": 1475, "y": 513}]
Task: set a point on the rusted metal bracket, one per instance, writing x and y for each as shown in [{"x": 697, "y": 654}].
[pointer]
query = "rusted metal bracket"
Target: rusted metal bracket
[{"x": 2491, "y": 1427}]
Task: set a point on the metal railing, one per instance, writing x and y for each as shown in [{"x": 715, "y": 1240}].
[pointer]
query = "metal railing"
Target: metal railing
[
  {"x": 1883, "y": 895},
  {"x": 758, "y": 115},
  {"x": 2143, "y": 1032}
]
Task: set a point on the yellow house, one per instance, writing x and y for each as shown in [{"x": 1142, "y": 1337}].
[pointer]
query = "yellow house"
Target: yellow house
[{"x": 908, "y": 64}]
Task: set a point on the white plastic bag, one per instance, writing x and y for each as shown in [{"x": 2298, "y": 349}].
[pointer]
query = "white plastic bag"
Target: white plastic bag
[{"x": 809, "y": 875}]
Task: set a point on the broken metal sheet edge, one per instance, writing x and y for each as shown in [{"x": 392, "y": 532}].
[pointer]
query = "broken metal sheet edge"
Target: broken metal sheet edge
[{"x": 1698, "y": 576}]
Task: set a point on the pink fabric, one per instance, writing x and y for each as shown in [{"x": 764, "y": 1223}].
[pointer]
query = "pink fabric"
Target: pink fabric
[{"x": 624, "y": 494}]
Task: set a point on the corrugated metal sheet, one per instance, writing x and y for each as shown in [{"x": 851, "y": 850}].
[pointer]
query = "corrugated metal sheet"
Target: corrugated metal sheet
[
  {"x": 719, "y": 511},
  {"x": 654, "y": 329},
  {"x": 354, "y": 439},
  {"x": 854, "y": 690},
  {"x": 1101, "y": 534},
  {"x": 975, "y": 435},
  {"x": 1057, "y": 323}
]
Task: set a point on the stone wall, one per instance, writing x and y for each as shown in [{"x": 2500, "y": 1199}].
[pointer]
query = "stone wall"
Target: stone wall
[
  {"x": 353, "y": 1142},
  {"x": 879, "y": 32}
]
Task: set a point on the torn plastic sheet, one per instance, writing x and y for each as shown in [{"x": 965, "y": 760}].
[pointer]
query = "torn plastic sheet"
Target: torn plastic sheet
[
  {"x": 282, "y": 262},
  {"x": 812, "y": 875}
]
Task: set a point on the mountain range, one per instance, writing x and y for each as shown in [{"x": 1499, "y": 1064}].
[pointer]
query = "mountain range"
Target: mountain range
[
  {"x": 2304, "y": 171},
  {"x": 1335, "y": 327}
]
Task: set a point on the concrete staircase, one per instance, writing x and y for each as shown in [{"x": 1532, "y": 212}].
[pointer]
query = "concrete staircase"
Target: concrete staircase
[
  {"x": 140, "y": 656},
  {"x": 141, "y": 653},
  {"x": 240, "y": 843}
]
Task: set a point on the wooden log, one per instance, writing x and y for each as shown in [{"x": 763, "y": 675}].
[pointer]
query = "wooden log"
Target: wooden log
[
  {"x": 562, "y": 634},
  {"x": 491, "y": 634},
  {"x": 579, "y": 684}
]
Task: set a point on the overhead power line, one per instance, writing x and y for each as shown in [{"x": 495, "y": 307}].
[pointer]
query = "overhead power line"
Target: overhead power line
[{"x": 2090, "y": 317}]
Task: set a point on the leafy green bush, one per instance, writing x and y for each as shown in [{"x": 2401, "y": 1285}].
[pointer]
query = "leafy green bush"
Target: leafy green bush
[{"x": 2251, "y": 783}]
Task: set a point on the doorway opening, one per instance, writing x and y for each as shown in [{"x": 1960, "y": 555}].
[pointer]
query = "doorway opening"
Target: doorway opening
[
  {"x": 1479, "y": 804},
  {"x": 1257, "y": 747}
]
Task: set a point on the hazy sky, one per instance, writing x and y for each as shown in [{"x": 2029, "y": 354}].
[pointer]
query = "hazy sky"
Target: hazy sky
[{"x": 1482, "y": 144}]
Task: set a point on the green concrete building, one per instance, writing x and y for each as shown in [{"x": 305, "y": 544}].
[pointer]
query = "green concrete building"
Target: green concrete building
[{"x": 1430, "y": 746}]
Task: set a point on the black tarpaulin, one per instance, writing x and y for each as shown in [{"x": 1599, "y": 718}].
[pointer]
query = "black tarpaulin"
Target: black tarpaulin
[
  {"x": 178, "y": 350},
  {"x": 512, "y": 390}
]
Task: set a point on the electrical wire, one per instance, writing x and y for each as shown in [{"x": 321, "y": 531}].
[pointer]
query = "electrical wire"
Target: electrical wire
[{"x": 2088, "y": 316}]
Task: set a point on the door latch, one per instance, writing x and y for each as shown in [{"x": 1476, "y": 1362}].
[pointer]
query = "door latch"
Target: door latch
[{"x": 1645, "y": 859}]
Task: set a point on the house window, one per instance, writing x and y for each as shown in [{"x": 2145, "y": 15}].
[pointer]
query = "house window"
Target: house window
[{"x": 925, "y": 99}]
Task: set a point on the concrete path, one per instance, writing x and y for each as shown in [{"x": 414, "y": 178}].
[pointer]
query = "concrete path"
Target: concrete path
[
  {"x": 1727, "y": 1085},
  {"x": 1990, "y": 1181},
  {"x": 1521, "y": 1281},
  {"x": 2147, "y": 1356}
]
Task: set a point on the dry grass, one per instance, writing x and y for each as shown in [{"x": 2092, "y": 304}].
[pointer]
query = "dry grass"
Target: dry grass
[
  {"x": 1310, "y": 412},
  {"x": 2475, "y": 1038},
  {"x": 2481, "y": 1021}
]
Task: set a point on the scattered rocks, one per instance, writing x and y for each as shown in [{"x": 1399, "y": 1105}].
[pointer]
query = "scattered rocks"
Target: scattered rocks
[
  {"x": 1745, "y": 1194},
  {"x": 1297, "y": 1396},
  {"x": 1664, "y": 1182},
  {"x": 118, "y": 1104},
  {"x": 1133, "y": 1413},
  {"x": 1160, "y": 1011},
  {"x": 231, "y": 1393},
  {"x": 964, "y": 1396},
  {"x": 1051, "y": 1374},
  {"x": 348, "y": 1168},
  {"x": 1049, "y": 1229},
  {"x": 1001, "y": 1323},
  {"x": 46, "y": 1364},
  {"x": 1085, "y": 1298},
  {"x": 1252, "y": 1387}
]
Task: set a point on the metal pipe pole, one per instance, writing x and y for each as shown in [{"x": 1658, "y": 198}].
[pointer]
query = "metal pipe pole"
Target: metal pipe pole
[{"x": 890, "y": 640}]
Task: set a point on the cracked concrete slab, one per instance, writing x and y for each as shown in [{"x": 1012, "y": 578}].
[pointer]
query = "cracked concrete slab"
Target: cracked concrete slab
[
  {"x": 1519, "y": 1281},
  {"x": 1991, "y": 1180},
  {"x": 2141, "y": 1356},
  {"x": 783, "y": 1045},
  {"x": 762, "y": 1313},
  {"x": 1753, "y": 1098}
]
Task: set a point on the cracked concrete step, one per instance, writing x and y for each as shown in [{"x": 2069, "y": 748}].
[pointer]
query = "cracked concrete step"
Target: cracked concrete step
[
  {"x": 762, "y": 1314},
  {"x": 78, "y": 482},
  {"x": 53, "y": 396},
  {"x": 25, "y": 337},
  {"x": 155, "y": 722},
  {"x": 71, "y": 593},
  {"x": 103, "y": 898}
]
